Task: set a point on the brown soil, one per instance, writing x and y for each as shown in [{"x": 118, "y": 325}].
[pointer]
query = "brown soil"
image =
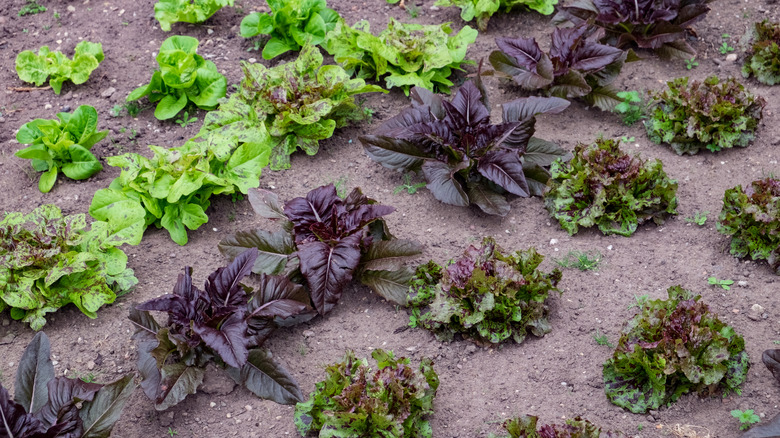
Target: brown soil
[{"x": 555, "y": 377}]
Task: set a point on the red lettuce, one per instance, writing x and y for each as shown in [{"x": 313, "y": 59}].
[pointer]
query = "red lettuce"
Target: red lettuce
[
  {"x": 466, "y": 159},
  {"x": 660, "y": 25},
  {"x": 328, "y": 241},
  {"x": 575, "y": 66},
  {"x": 226, "y": 322}
]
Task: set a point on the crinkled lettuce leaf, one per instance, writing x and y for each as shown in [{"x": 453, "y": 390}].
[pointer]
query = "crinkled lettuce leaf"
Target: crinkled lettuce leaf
[
  {"x": 57, "y": 67},
  {"x": 167, "y": 12}
]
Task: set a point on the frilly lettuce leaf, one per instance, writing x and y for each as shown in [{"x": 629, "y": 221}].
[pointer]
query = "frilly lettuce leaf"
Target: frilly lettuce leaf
[
  {"x": 57, "y": 67},
  {"x": 167, "y": 12}
]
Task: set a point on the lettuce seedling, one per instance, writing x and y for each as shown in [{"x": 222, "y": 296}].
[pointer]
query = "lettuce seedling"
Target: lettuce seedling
[
  {"x": 226, "y": 323},
  {"x": 525, "y": 426},
  {"x": 576, "y": 66},
  {"x": 298, "y": 104},
  {"x": 291, "y": 24},
  {"x": 167, "y": 12},
  {"x": 47, "y": 406},
  {"x": 713, "y": 114},
  {"x": 670, "y": 348},
  {"x": 328, "y": 241},
  {"x": 353, "y": 401},
  {"x": 466, "y": 159},
  {"x": 405, "y": 54},
  {"x": 62, "y": 145},
  {"x": 48, "y": 260},
  {"x": 173, "y": 188},
  {"x": 604, "y": 186},
  {"x": 57, "y": 67},
  {"x": 647, "y": 24},
  {"x": 752, "y": 218},
  {"x": 482, "y": 10},
  {"x": 762, "y": 57},
  {"x": 183, "y": 76},
  {"x": 486, "y": 295}
]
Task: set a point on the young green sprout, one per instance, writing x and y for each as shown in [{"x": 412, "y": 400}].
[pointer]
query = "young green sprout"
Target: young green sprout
[
  {"x": 746, "y": 418},
  {"x": 725, "y": 284}
]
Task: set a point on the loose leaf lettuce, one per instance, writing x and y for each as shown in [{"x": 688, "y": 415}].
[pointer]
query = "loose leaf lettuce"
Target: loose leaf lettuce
[
  {"x": 482, "y": 10},
  {"x": 298, "y": 104},
  {"x": 48, "y": 260},
  {"x": 328, "y": 241},
  {"x": 291, "y": 24},
  {"x": 762, "y": 58},
  {"x": 168, "y": 12},
  {"x": 466, "y": 159},
  {"x": 57, "y": 67},
  {"x": 670, "y": 348},
  {"x": 409, "y": 54},
  {"x": 62, "y": 145},
  {"x": 183, "y": 76},
  {"x": 752, "y": 218},
  {"x": 713, "y": 114},
  {"x": 661, "y": 26},
  {"x": 61, "y": 407},
  {"x": 576, "y": 66},
  {"x": 605, "y": 187},
  {"x": 352, "y": 401},
  {"x": 226, "y": 323},
  {"x": 486, "y": 295},
  {"x": 526, "y": 427}
]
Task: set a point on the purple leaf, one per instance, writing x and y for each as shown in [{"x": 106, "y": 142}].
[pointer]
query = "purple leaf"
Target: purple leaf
[
  {"x": 504, "y": 168},
  {"x": 15, "y": 421},
  {"x": 229, "y": 340},
  {"x": 525, "y": 51},
  {"x": 315, "y": 207},
  {"x": 63, "y": 392},
  {"x": 442, "y": 183},
  {"x": 223, "y": 285},
  {"x": 468, "y": 105},
  {"x": 328, "y": 269},
  {"x": 594, "y": 57}
]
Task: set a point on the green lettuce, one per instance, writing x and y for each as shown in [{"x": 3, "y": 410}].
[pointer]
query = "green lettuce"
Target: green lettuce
[
  {"x": 752, "y": 218},
  {"x": 168, "y": 12},
  {"x": 482, "y": 10},
  {"x": 485, "y": 295},
  {"x": 763, "y": 55},
  {"x": 62, "y": 145},
  {"x": 291, "y": 24},
  {"x": 526, "y": 426},
  {"x": 57, "y": 67},
  {"x": 713, "y": 114},
  {"x": 354, "y": 402},
  {"x": 172, "y": 189},
  {"x": 407, "y": 54},
  {"x": 183, "y": 77},
  {"x": 605, "y": 187},
  {"x": 48, "y": 260},
  {"x": 297, "y": 104},
  {"x": 670, "y": 348}
]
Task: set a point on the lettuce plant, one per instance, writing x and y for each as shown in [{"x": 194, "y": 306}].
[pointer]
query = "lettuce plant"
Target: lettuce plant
[
  {"x": 526, "y": 426},
  {"x": 47, "y": 406},
  {"x": 167, "y": 12},
  {"x": 752, "y": 218},
  {"x": 608, "y": 188},
  {"x": 486, "y": 295},
  {"x": 183, "y": 76},
  {"x": 482, "y": 10},
  {"x": 56, "y": 67},
  {"x": 353, "y": 401},
  {"x": 762, "y": 58},
  {"x": 670, "y": 348},
  {"x": 173, "y": 188},
  {"x": 62, "y": 145},
  {"x": 466, "y": 159},
  {"x": 575, "y": 66},
  {"x": 713, "y": 114},
  {"x": 48, "y": 260},
  {"x": 328, "y": 241},
  {"x": 291, "y": 25},
  {"x": 661, "y": 26},
  {"x": 226, "y": 323},
  {"x": 405, "y": 54},
  {"x": 298, "y": 104}
]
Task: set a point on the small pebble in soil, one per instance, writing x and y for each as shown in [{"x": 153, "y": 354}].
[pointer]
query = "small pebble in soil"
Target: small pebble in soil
[
  {"x": 742, "y": 283},
  {"x": 609, "y": 248},
  {"x": 213, "y": 405},
  {"x": 731, "y": 57},
  {"x": 47, "y": 106},
  {"x": 553, "y": 241}
]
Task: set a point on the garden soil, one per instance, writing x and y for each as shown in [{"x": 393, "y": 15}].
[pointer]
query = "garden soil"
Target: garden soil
[{"x": 555, "y": 377}]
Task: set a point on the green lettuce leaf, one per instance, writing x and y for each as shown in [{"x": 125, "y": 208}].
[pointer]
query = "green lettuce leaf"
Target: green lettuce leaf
[
  {"x": 167, "y": 12},
  {"x": 57, "y": 67}
]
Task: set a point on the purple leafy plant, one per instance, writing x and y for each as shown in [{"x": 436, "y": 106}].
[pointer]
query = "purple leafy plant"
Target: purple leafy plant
[
  {"x": 226, "y": 323},
  {"x": 327, "y": 241}
]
